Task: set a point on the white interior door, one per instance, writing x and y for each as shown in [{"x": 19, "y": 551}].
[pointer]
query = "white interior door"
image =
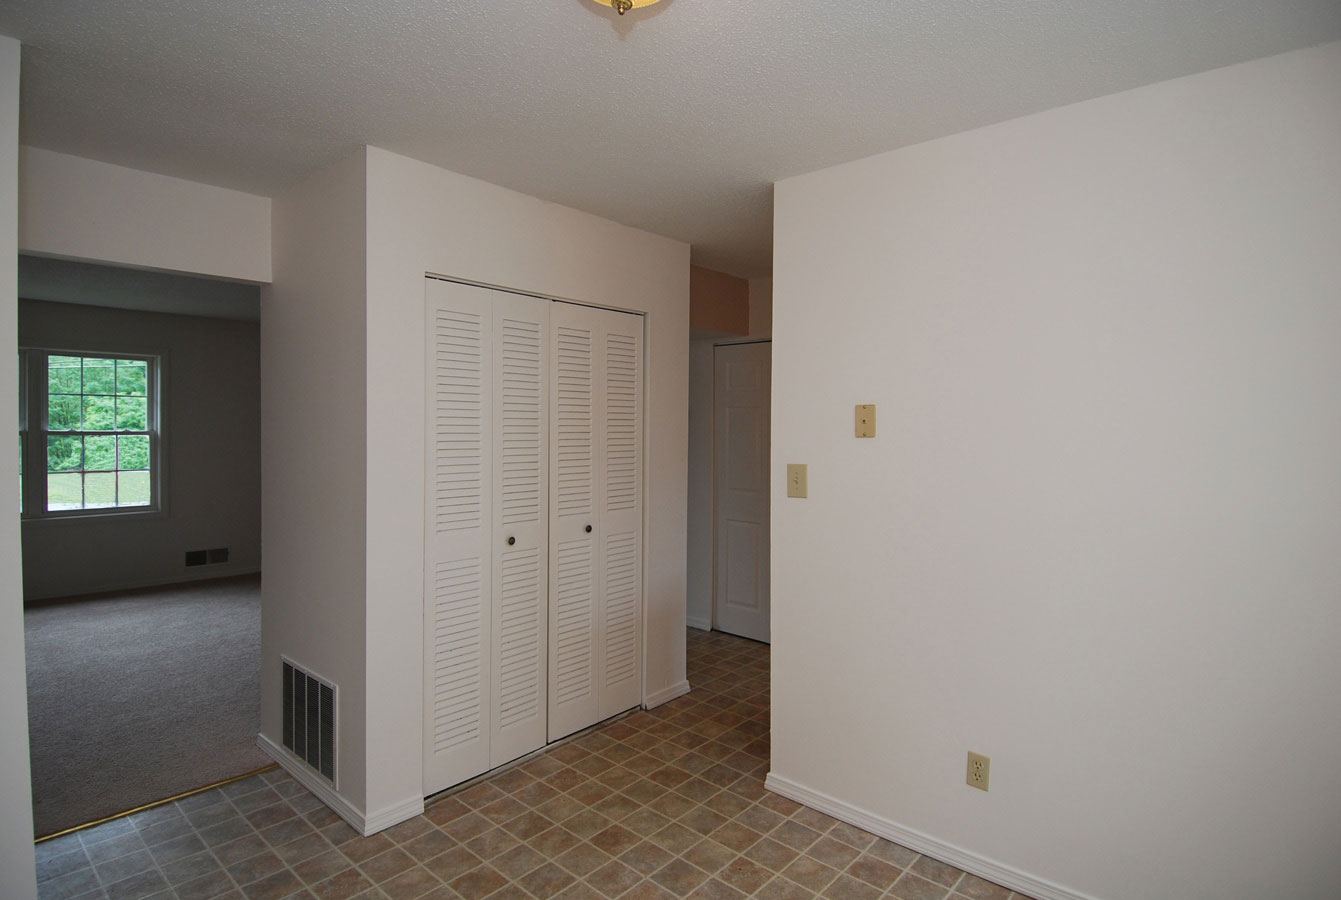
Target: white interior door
[
  {"x": 458, "y": 534},
  {"x": 741, "y": 392},
  {"x": 485, "y": 547},
  {"x": 595, "y": 517},
  {"x": 533, "y": 575},
  {"x": 574, "y": 333},
  {"x": 520, "y": 675},
  {"x": 620, "y": 648}
]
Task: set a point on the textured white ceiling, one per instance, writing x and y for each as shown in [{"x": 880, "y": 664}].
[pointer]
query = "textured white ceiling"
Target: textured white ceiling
[{"x": 676, "y": 119}]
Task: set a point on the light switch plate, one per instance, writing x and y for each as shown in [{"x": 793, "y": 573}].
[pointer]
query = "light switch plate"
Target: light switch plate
[
  {"x": 866, "y": 420},
  {"x": 796, "y": 480}
]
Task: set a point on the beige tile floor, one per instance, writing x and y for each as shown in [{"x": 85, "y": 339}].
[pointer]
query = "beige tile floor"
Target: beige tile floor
[{"x": 660, "y": 804}]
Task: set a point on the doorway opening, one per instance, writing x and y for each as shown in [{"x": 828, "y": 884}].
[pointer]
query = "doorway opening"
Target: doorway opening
[
  {"x": 140, "y": 447},
  {"x": 741, "y": 415}
]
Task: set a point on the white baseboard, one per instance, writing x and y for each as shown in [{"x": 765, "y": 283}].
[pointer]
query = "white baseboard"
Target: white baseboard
[
  {"x": 393, "y": 815},
  {"x": 702, "y": 624},
  {"x": 362, "y": 823},
  {"x": 958, "y": 857},
  {"x": 666, "y": 695},
  {"x": 217, "y": 571}
]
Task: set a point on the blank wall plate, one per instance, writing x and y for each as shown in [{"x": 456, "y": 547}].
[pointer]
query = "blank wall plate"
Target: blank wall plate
[
  {"x": 796, "y": 480},
  {"x": 866, "y": 420}
]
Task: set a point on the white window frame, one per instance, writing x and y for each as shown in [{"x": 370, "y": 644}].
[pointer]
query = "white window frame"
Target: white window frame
[{"x": 33, "y": 401}]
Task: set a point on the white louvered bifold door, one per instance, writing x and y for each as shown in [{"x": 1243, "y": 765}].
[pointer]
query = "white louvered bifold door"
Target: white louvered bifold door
[
  {"x": 521, "y": 525},
  {"x": 486, "y": 521},
  {"x": 595, "y": 517},
  {"x": 620, "y": 493},
  {"x": 572, "y": 520},
  {"x": 458, "y": 534}
]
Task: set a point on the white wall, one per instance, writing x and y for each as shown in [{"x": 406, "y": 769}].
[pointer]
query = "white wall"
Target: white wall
[
  {"x": 82, "y": 209},
  {"x": 313, "y": 447},
  {"x": 17, "y": 876},
  {"x": 698, "y": 603},
  {"x": 212, "y": 454},
  {"x": 761, "y": 309},
  {"x": 422, "y": 219},
  {"x": 1097, "y": 536}
]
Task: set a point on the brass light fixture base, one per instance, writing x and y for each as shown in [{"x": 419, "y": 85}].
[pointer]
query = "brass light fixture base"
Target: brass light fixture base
[{"x": 623, "y": 6}]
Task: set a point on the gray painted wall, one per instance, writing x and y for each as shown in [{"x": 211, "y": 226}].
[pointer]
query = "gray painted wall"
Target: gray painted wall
[{"x": 211, "y": 420}]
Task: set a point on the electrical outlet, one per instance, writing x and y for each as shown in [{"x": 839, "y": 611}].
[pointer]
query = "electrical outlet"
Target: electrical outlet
[
  {"x": 796, "y": 480},
  {"x": 979, "y": 770}
]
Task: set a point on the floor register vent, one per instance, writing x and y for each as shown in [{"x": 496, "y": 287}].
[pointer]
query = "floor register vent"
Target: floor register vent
[{"x": 309, "y": 719}]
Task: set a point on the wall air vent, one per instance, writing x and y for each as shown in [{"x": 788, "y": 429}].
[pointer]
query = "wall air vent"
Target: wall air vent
[
  {"x": 309, "y": 719},
  {"x": 210, "y": 557}
]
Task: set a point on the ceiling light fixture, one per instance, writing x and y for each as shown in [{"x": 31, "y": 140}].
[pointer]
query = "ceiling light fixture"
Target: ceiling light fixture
[{"x": 623, "y": 6}]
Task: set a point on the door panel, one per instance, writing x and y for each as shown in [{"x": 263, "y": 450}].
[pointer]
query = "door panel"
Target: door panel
[
  {"x": 619, "y": 650},
  {"x": 573, "y": 635},
  {"x": 458, "y": 532},
  {"x": 741, "y": 386},
  {"x": 743, "y": 556},
  {"x": 596, "y": 522},
  {"x": 521, "y": 496}
]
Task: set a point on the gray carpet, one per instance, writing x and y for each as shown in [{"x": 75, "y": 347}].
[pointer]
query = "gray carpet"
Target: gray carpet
[{"x": 141, "y": 695}]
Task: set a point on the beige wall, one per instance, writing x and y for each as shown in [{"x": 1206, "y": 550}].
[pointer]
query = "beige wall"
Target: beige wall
[
  {"x": 17, "y": 878},
  {"x": 1097, "y": 536},
  {"x": 314, "y": 457},
  {"x": 212, "y": 454},
  {"x": 718, "y": 302},
  {"x": 422, "y": 219},
  {"x": 82, "y": 209}
]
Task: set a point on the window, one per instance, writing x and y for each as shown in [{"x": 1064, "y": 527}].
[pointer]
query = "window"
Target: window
[{"x": 89, "y": 432}]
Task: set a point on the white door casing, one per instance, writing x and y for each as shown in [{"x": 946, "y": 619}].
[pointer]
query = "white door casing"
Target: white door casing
[{"x": 741, "y": 405}]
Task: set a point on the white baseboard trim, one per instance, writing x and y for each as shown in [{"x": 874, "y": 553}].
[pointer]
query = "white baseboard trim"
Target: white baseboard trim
[
  {"x": 958, "y": 857},
  {"x": 393, "y": 815},
  {"x": 700, "y": 624},
  {"x": 360, "y": 822},
  {"x": 666, "y": 695},
  {"x": 218, "y": 571}
]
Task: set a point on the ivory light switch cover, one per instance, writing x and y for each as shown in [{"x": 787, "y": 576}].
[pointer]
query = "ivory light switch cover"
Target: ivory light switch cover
[{"x": 796, "y": 479}]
